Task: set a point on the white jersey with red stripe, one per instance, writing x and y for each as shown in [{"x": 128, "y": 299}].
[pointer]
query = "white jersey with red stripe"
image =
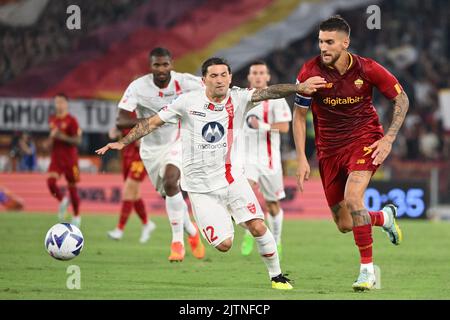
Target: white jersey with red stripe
[
  {"x": 146, "y": 98},
  {"x": 262, "y": 148},
  {"x": 209, "y": 132}
]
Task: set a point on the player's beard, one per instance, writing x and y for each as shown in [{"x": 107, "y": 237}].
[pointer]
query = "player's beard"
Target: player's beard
[
  {"x": 219, "y": 94},
  {"x": 162, "y": 78},
  {"x": 333, "y": 60}
]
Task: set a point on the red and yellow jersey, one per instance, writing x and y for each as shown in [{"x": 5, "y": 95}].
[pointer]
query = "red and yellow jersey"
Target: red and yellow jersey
[
  {"x": 131, "y": 152},
  {"x": 343, "y": 111},
  {"x": 63, "y": 151},
  {"x": 132, "y": 165}
]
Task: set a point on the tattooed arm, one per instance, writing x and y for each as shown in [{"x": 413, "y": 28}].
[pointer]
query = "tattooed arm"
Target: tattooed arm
[
  {"x": 143, "y": 127},
  {"x": 384, "y": 145},
  {"x": 275, "y": 91},
  {"x": 278, "y": 91},
  {"x": 401, "y": 105}
]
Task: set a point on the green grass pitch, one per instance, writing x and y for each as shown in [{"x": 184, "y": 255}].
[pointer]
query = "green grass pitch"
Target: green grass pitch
[{"x": 322, "y": 262}]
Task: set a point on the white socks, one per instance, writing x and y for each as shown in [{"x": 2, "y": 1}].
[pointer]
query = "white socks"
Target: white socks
[
  {"x": 178, "y": 213},
  {"x": 387, "y": 220},
  {"x": 276, "y": 225},
  {"x": 368, "y": 266},
  {"x": 176, "y": 208},
  {"x": 267, "y": 248},
  {"x": 188, "y": 225}
]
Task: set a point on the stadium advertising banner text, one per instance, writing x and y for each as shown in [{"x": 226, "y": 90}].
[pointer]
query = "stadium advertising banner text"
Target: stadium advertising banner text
[
  {"x": 32, "y": 114},
  {"x": 101, "y": 193}
]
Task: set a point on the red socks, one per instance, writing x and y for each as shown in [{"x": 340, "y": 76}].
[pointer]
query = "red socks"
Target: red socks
[
  {"x": 139, "y": 206},
  {"x": 75, "y": 200},
  {"x": 73, "y": 192},
  {"x": 54, "y": 190},
  {"x": 127, "y": 206},
  {"x": 363, "y": 239},
  {"x": 377, "y": 218}
]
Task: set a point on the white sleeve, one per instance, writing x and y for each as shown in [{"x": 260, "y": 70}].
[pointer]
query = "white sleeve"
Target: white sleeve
[
  {"x": 173, "y": 111},
  {"x": 129, "y": 100},
  {"x": 191, "y": 82},
  {"x": 281, "y": 111},
  {"x": 244, "y": 96}
]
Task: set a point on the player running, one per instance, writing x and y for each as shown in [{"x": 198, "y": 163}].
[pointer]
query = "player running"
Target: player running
[
  {"x": 262, "y": 127},
  {"x": 212, "y": 175},
  {"x": 349, "y": 137},
  {"x": 65, "y": 135},
  {"x": 133, "y": 174},
  {"x": 161, "y": 151}
]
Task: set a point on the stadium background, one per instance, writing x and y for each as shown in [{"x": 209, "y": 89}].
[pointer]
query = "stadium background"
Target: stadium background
[{"x": 40, "y": 56}]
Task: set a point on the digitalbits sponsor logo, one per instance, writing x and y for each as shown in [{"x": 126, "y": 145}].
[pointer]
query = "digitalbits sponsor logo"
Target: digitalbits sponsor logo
[{"x": 213, "y": 132}]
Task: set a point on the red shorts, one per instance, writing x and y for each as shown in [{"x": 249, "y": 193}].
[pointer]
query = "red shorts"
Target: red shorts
[
  {"x": 334, "y": 170},
  {"x": 70, "y": 170},
  {"x": 134, "y": 169}
]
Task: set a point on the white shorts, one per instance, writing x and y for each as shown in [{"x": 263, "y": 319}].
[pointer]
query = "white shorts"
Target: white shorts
[
  {"x": 213, "y": 211},
  {"x": 270, "y": 182},
  {"x": 156, "y": 163}
]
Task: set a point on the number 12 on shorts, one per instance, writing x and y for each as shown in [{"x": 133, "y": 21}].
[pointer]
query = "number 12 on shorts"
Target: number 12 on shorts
[{"x": 209, "y": 230}]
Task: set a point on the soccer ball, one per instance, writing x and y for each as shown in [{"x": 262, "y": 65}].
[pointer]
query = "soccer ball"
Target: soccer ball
[{"x": 64, "y": 241}]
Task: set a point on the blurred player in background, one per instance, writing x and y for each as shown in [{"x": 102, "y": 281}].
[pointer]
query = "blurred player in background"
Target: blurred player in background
[
  {"x": 349, "y": 137},
  {"x": 262, "y": 128},
  {"x": 161, "y": 152},
  {"x": 133, "y": 174},
  {"x": 27, "y": 153},
  {"x": 210, "y": 122},
  {"x": 9, "y": 200},
  {"x": 65, "y": 136}
]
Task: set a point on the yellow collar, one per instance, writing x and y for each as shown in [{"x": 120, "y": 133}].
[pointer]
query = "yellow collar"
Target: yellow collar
[{"x": 349, "y": 65}]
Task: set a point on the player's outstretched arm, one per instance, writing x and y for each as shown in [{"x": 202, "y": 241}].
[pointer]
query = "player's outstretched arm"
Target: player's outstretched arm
[
  {"x": 143, "y": 127},
  {"x": 278, "y": 91},
  {"x": 384, "y": 145}
]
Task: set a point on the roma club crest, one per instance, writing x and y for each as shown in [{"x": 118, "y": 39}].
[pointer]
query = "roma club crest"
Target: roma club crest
[{"x": 358, "y": 83}]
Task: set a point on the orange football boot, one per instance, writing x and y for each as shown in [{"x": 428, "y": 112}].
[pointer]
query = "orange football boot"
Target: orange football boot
[
  {"x": 176, "y": 252},
  {"x": 197, "y": 247}
]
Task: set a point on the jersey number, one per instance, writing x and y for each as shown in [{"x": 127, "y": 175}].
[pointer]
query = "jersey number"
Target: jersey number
[{"x": 211, "y": 237}]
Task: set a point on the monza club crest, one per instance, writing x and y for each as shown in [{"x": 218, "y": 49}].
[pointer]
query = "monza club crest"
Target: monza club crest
[{"x": 252, "y": 208}]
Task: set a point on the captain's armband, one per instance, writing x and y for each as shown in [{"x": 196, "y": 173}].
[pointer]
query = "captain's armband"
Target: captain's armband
[{"x": 302, "y": 101}]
